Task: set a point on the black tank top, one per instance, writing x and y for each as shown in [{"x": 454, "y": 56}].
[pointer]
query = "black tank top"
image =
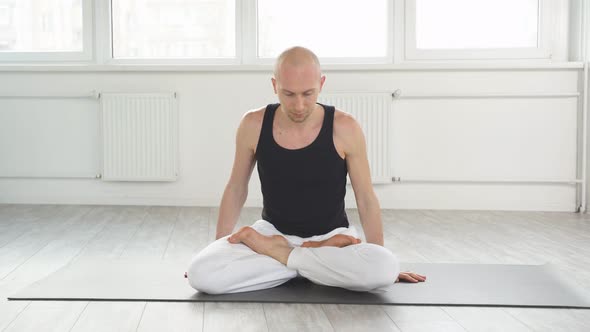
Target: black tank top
[{"x": 303, "y": 189}]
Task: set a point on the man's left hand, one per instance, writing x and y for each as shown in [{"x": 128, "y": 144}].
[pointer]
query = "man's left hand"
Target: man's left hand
[{"x": 410, "y": 277}]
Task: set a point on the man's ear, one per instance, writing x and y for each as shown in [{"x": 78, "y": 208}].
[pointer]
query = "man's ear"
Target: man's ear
[
  {"x": 274, "y": 84},
  {"x": 322, "y": 81}
]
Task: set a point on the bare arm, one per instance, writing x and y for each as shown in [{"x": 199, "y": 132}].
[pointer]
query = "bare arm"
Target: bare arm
[
  {"x": 360, "y": 176},
  {"x": 355, "y": 149},
  {"x": 236, "y": 190}
]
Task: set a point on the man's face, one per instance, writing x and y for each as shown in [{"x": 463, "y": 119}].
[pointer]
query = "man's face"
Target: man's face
[{"x": 298, "y": 88}]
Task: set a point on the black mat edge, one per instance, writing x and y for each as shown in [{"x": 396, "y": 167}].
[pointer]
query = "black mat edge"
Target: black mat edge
[{"x": 301, "y": 302}]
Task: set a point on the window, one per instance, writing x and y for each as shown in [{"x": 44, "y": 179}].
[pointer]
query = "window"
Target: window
[
  {"x": 332, "y": 28},
  {"x": 6, "y": 13},
  {"x": 255, "y": 31},
  {"x": 480, "y": 29},
  {"x": 165, "y": 29},
  {"x": 45, "y": 30},
  {"x": 478, "y": 24}
]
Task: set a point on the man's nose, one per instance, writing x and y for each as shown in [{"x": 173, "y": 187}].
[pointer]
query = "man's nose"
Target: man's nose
[{"x": 299, "y": 103}]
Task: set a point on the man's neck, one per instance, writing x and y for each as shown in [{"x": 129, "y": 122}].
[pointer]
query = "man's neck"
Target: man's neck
[{"x": 288, "y": 125}]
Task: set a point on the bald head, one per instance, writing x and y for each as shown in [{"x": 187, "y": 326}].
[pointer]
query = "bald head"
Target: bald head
[
  {"x": 295, "y": 57},
  {"x": 297, "y": 82}
]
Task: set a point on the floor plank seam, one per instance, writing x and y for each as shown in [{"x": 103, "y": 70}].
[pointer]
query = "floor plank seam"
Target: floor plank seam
[
  {"x": 390, "y": 318},
  {"x": 265, "y": 318},
  {"x": 16, "y": 316},
  {"x": 141, "y": 316},
  {"x": 143, "y": 221},
  {"x": 78, "y": 318},
  {"x": 520, "y": 320},
  {"x": 41, "y": 247},
  {"x": 454, "y": 319},
  {"x": 203, "y": 319},
  {"x": 94, "y": 237},
  {"x": 34, "y": 221},
  {"x": 327, "y": 317},
  {"x": 171, "y": 233}
]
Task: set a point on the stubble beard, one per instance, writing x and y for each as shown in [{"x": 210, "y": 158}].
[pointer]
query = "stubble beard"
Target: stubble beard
[{"x": 298, "y": 120}]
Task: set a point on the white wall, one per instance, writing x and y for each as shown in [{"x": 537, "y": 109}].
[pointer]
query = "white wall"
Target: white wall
[
  {"x": 579, "y": 20},
  {"x": 474, "y": 138}
]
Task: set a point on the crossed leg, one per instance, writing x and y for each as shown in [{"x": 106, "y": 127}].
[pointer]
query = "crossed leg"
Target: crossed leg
[{"x": 257, "y": 258}]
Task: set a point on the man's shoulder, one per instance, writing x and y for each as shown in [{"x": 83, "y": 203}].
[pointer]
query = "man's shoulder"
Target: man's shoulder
[
  {"x": 254, "y": 115},
  {"x": 252, "y": 119},
  {"x": 345, "y": 124},
  {"x": 250, "y": 127},
  {"x": 348, "y": 134}
]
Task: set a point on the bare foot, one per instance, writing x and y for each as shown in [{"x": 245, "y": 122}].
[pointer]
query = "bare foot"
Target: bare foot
[
  {"x": 274, "y": 246},
  {"x": 338, "y": 240}
]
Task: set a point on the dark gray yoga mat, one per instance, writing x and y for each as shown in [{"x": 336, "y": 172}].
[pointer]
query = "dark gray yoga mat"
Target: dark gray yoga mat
[{"x": 446, "y": 284}]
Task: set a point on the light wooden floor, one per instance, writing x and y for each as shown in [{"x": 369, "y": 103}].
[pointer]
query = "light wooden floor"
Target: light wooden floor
[{"x": 36, "y": 240}]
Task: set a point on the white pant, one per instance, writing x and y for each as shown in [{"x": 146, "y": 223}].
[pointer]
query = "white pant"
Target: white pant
[{"x": 224, "y": 267}]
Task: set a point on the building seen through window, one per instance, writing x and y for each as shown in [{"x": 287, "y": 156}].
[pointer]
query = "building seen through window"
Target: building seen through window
[
  {"x": 174, "y": 29},
  {"x": 41, "y": 26}
]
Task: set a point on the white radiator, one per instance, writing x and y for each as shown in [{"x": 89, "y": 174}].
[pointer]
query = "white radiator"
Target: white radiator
[
  {"x": 373, "y": 113},
  {"x": 139, "y": 136}
]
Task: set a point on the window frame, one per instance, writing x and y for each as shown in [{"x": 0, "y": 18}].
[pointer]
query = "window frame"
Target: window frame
[
  {"x": 551, "y": 39},
  {"x": 43, "y": 56}
]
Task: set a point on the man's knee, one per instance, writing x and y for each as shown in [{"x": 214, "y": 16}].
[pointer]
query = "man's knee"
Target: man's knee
[
  {"x": 389, "y": 269},
  {"x": 382, "y": 270},
  {"x": 202, "y": 275}
]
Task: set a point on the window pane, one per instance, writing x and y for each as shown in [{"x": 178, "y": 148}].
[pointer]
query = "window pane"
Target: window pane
[
  {"x": 41, "y": 26},
  {"x": 331, "y": 28},
  {"x": 174, "y": 28},
  {"x": 454, "y": 24}
]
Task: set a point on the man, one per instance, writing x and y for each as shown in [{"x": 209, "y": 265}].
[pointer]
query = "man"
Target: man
[{"x": 303, "y": 150}]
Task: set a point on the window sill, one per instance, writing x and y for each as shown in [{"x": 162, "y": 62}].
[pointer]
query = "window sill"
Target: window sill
[{"x": 414, "y": 66}]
